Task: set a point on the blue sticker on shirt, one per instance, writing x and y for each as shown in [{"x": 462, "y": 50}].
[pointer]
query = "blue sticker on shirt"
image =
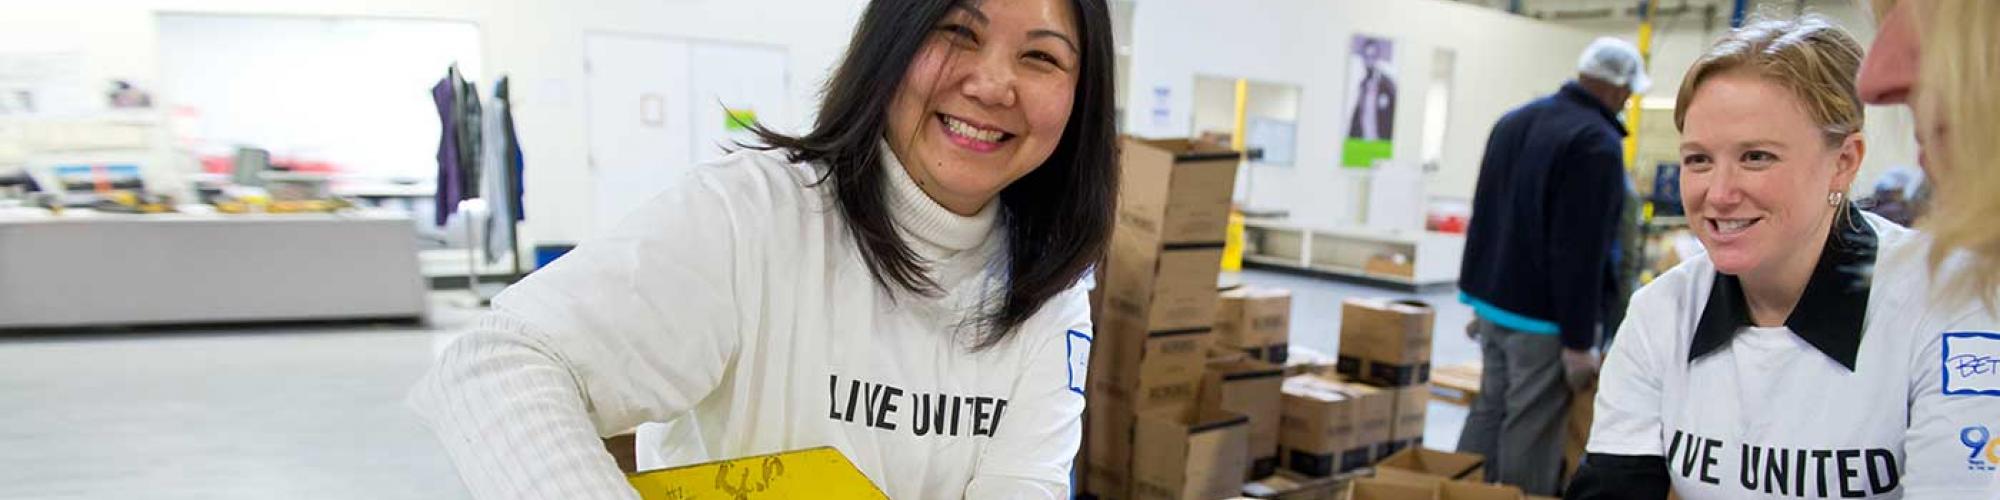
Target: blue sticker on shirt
[
  {"x": 1078, "y": 347},
  {"x": 1971, "y": 364}
]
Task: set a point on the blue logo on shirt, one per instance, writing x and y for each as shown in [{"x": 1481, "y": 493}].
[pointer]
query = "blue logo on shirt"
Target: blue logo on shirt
[
  {"x": 1980, "y": 441},
  {"x": 1078, "y": 348},
  {"x": 1971, "y": 364}
]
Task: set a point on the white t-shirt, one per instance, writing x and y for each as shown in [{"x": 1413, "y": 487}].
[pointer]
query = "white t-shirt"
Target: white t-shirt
[
  {"x": 737, "y": 302},
  {"x": 1890, "y": 414}
]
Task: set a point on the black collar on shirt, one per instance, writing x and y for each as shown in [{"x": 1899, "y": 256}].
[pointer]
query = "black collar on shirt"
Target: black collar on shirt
[
  {"x": 1830, "y": 313},
  {"x": 1575, "y": 92}
]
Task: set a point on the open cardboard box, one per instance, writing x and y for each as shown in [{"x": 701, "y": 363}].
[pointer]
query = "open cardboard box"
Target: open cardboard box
[
  {"x": 1389, "y": 489},
  {"x": 1199, "y": 453},
  {"x": 1175, "y": 190},
  {"x": 814, "y": 473},
  {"x": 1431, "y": 466},
  {"x": 1462, "y": 490}
]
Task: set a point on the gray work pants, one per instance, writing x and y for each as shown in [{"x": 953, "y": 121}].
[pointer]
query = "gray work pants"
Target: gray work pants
[{"x": 1517, "y": 421}]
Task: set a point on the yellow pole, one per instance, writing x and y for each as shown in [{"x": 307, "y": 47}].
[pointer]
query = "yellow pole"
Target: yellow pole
[
  {"x": 1633, "y": 109},
  {"x": 1232, "y": 248}
]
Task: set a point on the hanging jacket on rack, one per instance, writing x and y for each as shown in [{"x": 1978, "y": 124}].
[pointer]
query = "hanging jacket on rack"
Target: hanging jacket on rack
[
  {"x": 500, "y": 174},
  {"x": 520, "y": 168},
  {"x": 450, "y": 186},
  {"x": 469, "y": 143}
]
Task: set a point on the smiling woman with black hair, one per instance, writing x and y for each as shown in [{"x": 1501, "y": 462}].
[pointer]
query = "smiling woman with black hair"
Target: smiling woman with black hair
[{"x": 899, "y": 282}]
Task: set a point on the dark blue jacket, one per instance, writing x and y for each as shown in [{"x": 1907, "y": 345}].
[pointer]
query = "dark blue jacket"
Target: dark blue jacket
[{"x": 1550, "y": 189}]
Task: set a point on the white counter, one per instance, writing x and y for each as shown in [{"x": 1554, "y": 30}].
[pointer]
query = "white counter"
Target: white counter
[{"x": 87, "y": 269}]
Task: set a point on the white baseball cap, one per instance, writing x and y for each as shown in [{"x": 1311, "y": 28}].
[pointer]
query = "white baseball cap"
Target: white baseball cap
[{"x": 1614, "y": 61}]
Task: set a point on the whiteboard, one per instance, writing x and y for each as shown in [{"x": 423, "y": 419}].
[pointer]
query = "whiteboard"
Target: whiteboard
[{"x": 351, "y": 91}]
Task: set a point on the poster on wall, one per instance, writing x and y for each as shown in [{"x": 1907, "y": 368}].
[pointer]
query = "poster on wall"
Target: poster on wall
[{"x": 1371, "y": 102}]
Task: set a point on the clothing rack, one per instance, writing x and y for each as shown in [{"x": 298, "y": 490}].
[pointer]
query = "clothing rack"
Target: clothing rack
[{"x": 467, "y": 171}]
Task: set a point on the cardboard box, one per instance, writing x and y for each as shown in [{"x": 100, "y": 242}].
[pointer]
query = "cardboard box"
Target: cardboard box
[
  {"x": 812, "y": 473},
  {"x": 1147, "y": 370},
  {"x": 1288, "y": 485},
  {"x": 1175, "y": 191},
  {"x": 1374, "y": 415},
  {"x": 1386, "y": 342},
  {"x": 1412, "y": 405},
  {"x": 1316, "y": 439},
  {"x": 1161, "y": 288},
  {"x": 1460, "y": 490},
  {"x": 1196, "y": 454},
  {"x": 1255, "y": 320},
  {"x": 1380, "y": 489},
  {"x": 1396, "y": 265},
  {"x": 1431, "y": 466},
  {"x": 1317, "y": 426},
  {"x": 1390, "y": 331},
  {"x": 1107, "y": 436},
  {"x": 1384, "y": 374},
  {"x": 1250, "y": 388}
]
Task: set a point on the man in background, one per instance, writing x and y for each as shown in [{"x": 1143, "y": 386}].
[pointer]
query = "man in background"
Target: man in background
[{"x": 1551, "y": 186}]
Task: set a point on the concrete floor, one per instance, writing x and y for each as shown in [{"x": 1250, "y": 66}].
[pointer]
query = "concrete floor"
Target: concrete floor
[
  {"x": 300, "y": 412},
  {"x": 315, "y": 411}
]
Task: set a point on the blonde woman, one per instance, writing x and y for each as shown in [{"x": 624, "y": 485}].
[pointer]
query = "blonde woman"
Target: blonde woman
[
  {"x": 1786, "y": 360},
  {"x": 1941, "y": 58}
]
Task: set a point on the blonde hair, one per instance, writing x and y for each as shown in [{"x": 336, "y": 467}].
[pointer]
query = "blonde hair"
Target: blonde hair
[
  {"x": 1959, "y": 60},
  {"x": 1809, "y": 55}
]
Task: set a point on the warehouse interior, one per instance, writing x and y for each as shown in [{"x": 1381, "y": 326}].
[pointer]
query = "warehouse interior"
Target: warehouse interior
[{"x": 228, "y": 248}]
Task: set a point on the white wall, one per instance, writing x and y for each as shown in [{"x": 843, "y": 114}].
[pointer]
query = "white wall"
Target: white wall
[
  {"x": 538, "y": 42},
  {"x": 1503, "y": 61}
]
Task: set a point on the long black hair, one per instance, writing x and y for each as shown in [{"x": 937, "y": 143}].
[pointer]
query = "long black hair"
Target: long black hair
[{"x": 1057, "y": 217}]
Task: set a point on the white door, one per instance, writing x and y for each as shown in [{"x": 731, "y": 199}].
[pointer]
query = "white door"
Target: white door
[
  {"x": 744, "y": 80},
  {"x": 638, "y": 89}
]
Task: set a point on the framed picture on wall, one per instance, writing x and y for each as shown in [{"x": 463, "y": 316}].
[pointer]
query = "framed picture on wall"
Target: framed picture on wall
[{"x": 1371, "y": 102}]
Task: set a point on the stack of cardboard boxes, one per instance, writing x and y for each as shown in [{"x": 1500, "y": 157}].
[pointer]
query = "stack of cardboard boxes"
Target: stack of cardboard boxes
[
  {"x": 1253, "y": 327},
  {"x": 1388, "y": 344},
  {"x": 1331, "y": 426},
  {"x": 1372, "y": 403},
  {"x": 1154, "y": 328}
]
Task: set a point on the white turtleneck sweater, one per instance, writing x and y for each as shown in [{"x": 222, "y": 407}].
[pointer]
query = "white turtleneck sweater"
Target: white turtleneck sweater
[{"x": 737, "y": 305}]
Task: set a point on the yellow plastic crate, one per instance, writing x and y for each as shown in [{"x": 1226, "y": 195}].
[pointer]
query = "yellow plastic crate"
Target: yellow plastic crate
[{"x": 810, "y": 473}]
